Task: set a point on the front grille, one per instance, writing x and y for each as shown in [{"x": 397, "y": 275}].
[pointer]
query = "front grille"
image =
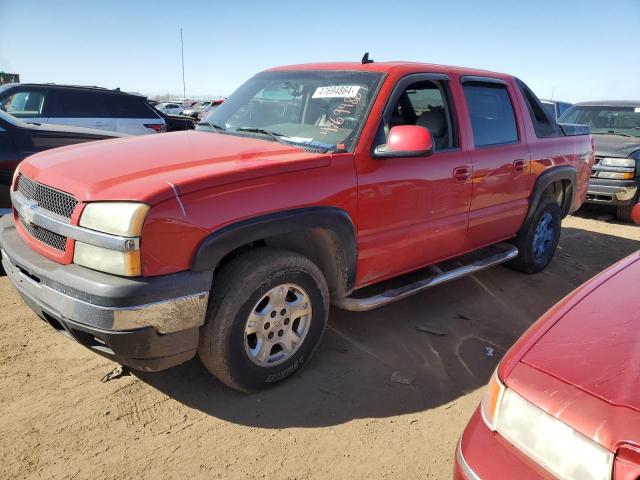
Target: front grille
[
  {"x": 45, "y": 236},
  {"x": 50, "y": 199}
]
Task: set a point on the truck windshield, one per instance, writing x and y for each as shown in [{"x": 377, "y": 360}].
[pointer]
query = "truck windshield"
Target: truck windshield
[
  {"x": 318, "y": 109},
  {"x": 604, "y": 119}
]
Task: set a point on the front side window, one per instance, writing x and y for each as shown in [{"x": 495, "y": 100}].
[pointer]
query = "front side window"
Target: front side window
[
  {"x": 27, "y": 103},
  {"x": 492, "y": 118},
  {"x": 423, "y": 103},
  {"x": 624, "y": 121},
  {"x": 320, "y": 109}
]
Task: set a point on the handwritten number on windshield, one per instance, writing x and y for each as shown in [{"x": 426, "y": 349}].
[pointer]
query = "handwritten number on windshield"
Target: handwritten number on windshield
[{"x": 347, "y": 107}]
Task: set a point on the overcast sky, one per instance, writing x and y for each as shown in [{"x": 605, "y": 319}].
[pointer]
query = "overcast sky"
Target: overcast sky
[{"x": 576, "y": 49}]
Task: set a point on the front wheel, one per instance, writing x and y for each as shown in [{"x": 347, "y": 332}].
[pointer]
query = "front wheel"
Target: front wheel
[
  {"x": 267, "y": 314},
  {"x": 537, "y": 242}
]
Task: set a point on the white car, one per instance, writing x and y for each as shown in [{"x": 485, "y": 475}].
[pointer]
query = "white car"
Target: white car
[
  {"x": 77, "y": 106},
  {"x": 169, "y": 108}
]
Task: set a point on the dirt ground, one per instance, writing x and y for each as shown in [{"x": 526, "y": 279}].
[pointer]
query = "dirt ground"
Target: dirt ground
[{"x": 341, "y": 417}]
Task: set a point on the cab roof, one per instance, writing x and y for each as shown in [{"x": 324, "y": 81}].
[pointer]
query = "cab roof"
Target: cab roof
[{"x": 388, "y": 67}]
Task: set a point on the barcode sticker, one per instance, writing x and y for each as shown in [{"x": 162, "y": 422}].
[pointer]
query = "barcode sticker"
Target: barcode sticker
[{"x": 336, "y": 91}]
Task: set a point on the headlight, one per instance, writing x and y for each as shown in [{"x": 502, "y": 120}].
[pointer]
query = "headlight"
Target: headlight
[
  {"x": 554, "y": 445},
  {"x": 618, "y": 162},
  {"x": 116, "y": 218}
]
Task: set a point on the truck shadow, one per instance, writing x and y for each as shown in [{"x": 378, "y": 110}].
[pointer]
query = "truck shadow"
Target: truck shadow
[{"x": 351, "y": 375}]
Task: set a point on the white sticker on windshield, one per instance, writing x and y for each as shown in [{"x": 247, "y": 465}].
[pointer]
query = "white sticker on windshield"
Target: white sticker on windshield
[
  {"x": 336, "y": 91},
  {"x": 637, "y": 109}
]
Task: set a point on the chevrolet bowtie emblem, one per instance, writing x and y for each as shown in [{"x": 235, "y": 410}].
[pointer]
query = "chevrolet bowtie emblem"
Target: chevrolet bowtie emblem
[{"x": 29, "y": 210}]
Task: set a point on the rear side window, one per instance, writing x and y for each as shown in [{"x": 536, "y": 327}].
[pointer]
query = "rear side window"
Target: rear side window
[
  {"x": 130, "y": 106},
  {"x": 492, "y": 118},
  {"x": 544, "y": 124},
  {"x": 25, "y": 103},
  {"x": 79, "y": 104}
]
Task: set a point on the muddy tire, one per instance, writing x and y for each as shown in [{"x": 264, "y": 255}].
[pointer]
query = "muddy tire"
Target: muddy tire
[
  {"x": 623, "y": 213},
  {"x": 537, "y": 241},
  {"x": 266, "y": 317}
]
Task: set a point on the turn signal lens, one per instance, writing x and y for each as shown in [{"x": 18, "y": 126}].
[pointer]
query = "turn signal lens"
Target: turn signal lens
[
  {"x": 109, "y": 261},
  {"x": 491, "y": 401}
]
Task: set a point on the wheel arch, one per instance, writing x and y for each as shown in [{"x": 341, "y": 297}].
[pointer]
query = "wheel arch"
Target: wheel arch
[
  {"x": 559, "y": 181},
  {"x": 325, "y": 235}
]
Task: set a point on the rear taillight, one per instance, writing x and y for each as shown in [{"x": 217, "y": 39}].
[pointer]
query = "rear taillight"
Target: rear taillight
[
  {"x": 158, "y": 127},
  {"x": 627, "y": 464}
]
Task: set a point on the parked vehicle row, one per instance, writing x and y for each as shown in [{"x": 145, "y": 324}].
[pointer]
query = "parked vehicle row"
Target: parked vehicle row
[{"x": 77, "y": 106}]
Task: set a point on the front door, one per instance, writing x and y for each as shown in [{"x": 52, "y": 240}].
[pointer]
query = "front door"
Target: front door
[{"x": 413, "y": 211}]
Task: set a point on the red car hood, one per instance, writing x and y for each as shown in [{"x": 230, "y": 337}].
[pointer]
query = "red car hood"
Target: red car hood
[
  {"x": 142, "y": 168},
  {"x": 595, "y": 346}
]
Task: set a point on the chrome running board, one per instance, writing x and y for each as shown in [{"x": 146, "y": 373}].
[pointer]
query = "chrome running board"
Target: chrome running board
[{"x": 507, "y": 252}]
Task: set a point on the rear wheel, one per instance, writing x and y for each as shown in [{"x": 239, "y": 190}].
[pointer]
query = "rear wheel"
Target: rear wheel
[
  {"x": 623, "y": 213},
  {"x": 266, "y": 317},
  {"x": 537, "y": 242}
]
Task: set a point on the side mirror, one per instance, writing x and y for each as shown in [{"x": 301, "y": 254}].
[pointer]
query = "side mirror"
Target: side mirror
[{"x": 406, "y": 141}]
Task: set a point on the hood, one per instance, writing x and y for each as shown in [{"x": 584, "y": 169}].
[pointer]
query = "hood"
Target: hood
[
  {"x": 143, "y": 168},
  {"x": 595, "y": 346},
  {"x": 615, "y": 145},
  {"x": 93, "y": 132}
]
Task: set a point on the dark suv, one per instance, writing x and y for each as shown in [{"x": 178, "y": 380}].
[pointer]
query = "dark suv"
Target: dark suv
[
  {"x": 616, "y": 174},
  {"x": 90, "y": 107}
]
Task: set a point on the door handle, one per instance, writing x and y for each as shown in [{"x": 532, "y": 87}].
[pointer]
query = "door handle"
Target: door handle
[
  {"x": 519, "y": 165},
  {"x": 462, "y": 174}
]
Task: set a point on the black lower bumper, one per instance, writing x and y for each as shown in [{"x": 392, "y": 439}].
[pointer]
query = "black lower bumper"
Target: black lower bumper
[
  {"x": 612, "y": 192},
  {"x": 147, "y": 324},
  {"x": 141, "y": 349}
]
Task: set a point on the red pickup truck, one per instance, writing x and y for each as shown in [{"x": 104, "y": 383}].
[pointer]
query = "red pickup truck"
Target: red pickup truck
[{"x": 307, "y": 184}]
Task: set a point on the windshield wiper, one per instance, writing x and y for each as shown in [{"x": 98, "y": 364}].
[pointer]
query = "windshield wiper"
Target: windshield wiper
[
  {"x": 214, "y": 126},
  {"x": 276, "y": 136}
]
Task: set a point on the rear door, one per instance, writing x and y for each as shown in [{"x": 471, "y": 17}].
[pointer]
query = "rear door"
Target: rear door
[
  {"x": 133, "y": 115},
  {"x": 501, "y": 163},
  {"x": 81, "y": 108}
]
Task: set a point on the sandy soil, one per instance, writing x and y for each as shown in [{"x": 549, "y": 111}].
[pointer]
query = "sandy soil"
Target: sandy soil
[{"x": 341, "y": 417}]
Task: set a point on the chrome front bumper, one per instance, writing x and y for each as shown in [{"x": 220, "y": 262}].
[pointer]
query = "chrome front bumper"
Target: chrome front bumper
[
  {"x": 611, "y": 194},
  {"x": 165, "y": 316}
]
